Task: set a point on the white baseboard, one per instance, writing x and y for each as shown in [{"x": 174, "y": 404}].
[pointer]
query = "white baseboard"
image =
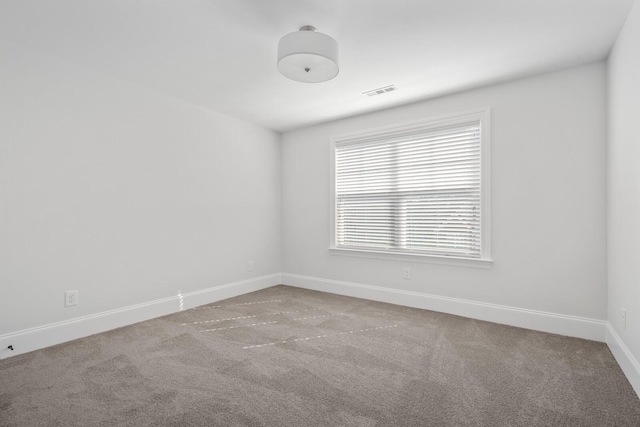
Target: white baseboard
[
  {"x": 625, "y": 359},
  {"x": 579, "y": 327},
  {"x": 56, "y": 333}
]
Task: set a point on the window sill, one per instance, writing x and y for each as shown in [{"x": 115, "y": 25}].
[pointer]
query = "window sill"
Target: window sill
[{"x": 430, "y": 259}]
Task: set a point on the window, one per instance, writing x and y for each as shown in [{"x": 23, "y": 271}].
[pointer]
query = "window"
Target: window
[{"x": 419, "y": 190}]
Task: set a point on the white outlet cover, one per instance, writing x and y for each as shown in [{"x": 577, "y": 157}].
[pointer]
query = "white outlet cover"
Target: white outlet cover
[{"x": 70, "y": 298}]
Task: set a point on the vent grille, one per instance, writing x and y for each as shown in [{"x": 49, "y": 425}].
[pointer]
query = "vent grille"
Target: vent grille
[{"x": 380, "y": 91}]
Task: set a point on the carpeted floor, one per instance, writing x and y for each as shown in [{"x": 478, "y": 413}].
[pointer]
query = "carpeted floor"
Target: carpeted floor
[{"x": 291, "y": 357}]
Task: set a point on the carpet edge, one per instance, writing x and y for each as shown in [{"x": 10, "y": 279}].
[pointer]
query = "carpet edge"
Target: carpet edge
[
  {"x": 561, "y": 324},
  {"x": 43, "y": 336},
  {"x": 629, "y": 365}
]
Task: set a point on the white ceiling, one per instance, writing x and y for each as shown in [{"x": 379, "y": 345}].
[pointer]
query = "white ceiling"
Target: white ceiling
[{"x": 220, "y": 54}]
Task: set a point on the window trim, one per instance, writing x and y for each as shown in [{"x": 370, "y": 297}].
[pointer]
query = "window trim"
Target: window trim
[{"x": 481, "y": 114}]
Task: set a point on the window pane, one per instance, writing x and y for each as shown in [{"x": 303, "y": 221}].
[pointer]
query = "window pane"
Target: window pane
[{"x": 413, "y": 192}]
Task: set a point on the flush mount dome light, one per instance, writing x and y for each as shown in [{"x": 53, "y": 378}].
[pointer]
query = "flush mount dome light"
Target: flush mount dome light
[{"x": 308, "y": 56}]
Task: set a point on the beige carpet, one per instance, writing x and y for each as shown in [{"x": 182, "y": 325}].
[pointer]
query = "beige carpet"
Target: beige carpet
[{"x": 291, "y": 357}]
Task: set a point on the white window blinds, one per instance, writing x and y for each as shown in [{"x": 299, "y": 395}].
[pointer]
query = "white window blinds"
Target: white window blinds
[{"x": 416, "y": 191}]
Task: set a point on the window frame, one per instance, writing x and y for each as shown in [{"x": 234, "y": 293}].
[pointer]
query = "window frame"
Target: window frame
[{"x": 483, "y": 115}]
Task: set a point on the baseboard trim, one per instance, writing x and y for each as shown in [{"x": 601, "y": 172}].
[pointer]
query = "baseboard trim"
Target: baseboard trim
[
  {"x": 56, "y": 333},
  {"x": 625, "y": 359},
  {"x": 579, "y": 327},
  {"x": 592, "y": 329}
]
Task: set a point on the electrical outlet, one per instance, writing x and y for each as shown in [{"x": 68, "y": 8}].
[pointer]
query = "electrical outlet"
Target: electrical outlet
[
  {"x": 623, "y": 318},
  {"x": 250, "y": 266},
  {"x": 406, "y": 273},
  {"x": 70, "y": 298}
]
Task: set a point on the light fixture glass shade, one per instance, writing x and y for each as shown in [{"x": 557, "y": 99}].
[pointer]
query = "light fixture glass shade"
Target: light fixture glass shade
[{"x": 308, "y": 56}]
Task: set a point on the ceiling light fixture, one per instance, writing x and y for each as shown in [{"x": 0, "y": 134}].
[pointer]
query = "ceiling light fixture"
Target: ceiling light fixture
[{"x": 308, "y": 56}]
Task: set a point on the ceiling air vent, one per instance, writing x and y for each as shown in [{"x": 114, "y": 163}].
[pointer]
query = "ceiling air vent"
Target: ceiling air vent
[{"x": 380, "y": 91}]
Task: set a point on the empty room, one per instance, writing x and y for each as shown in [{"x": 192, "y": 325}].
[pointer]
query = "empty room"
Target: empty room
[{"x": 319, "y": 213}]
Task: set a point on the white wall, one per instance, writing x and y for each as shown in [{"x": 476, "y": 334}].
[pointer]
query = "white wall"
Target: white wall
[
  {"x": 122, "y": 193},
  {"x": 548, "y": 200},
  {"x": 623, "y": 191}
]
